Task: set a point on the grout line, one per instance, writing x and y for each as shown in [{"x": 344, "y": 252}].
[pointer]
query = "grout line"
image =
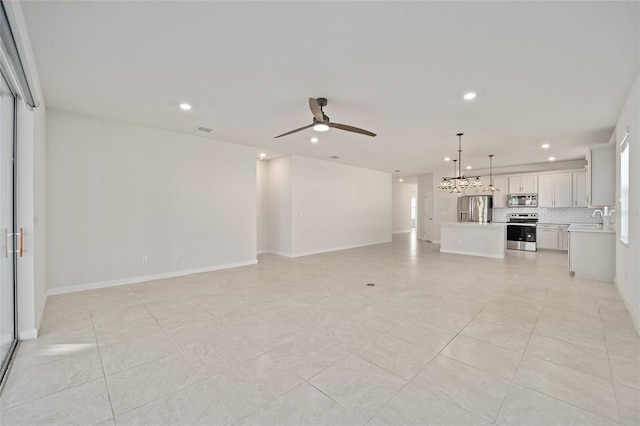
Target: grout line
[
  {"x": 524, "y": 351},
  {"x": 104, "y": 373},
  {"x": 613, "y": 383}
]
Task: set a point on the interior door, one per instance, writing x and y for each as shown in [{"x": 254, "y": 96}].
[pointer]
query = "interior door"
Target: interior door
[
  {"x": 428, "y": 215},
  {"x": 7, "y": 225}
]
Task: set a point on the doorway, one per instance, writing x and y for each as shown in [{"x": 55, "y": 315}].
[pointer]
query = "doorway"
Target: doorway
[
  {"x": 414, "y": 211},
  {"x": 8, "y": 322}
]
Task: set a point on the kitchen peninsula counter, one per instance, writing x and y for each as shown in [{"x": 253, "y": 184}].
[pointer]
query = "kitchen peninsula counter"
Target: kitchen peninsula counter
[{"x": 474, "y": 239}]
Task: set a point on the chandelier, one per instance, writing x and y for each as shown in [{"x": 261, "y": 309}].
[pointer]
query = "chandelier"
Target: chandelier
[
  {"x": 459, "y": 181},
  {"x": 491, "y": 188}
]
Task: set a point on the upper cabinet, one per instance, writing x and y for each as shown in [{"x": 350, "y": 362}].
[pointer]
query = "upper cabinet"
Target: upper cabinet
[
  {"x": 601, "y": 174},
  {"x": 500, "y": 197},
  {"x": 523, "y": 184},
  {"x": 555, "y": 190},
  {"x": 580, "y": 189}
]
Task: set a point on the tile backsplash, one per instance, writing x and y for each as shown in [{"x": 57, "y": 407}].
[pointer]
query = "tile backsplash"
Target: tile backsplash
[{"x": 546, "y": 215}]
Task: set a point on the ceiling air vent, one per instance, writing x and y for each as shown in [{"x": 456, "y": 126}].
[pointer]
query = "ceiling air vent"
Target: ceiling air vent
[{"x": 204, "y": 129}]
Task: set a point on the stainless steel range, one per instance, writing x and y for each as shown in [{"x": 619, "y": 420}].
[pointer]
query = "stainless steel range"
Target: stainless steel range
[{"x": 521, "y": 231}]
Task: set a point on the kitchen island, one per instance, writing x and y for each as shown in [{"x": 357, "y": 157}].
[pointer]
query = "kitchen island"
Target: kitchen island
[
  {"x": 474, "y": 239},
  {"x": 592, "y": 251}
]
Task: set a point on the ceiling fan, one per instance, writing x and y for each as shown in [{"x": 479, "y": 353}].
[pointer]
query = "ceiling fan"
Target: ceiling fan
[{"x": 321, "y": 122}]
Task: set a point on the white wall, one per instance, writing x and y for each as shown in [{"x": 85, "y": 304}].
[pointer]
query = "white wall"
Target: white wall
[
  {"x": 117, "y": 192},
  {"x": 280, "y": 227},
  {"x": 336, "y": 206},
  {"x": 262, "y": 205},
  {"x": 627, "y": 265},
  {"x": 401, "y": 213}
]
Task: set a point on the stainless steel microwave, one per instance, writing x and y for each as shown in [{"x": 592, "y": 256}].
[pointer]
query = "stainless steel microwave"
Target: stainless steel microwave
[{"x": 522, "y": 200}]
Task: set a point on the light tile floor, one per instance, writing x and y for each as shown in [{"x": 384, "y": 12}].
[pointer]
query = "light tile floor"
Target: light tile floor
[{"x": 439, "y": 339}]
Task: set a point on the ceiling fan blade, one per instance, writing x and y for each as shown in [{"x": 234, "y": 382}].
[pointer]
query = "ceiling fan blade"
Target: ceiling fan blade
[
  {"x": 315, "y": 109},
  {"x": 293, "y": 131},
  {"x": 352, "y": 129}
]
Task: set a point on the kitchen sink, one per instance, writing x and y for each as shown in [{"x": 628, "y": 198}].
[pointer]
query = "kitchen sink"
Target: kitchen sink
[{"x": 587, "y": 226}]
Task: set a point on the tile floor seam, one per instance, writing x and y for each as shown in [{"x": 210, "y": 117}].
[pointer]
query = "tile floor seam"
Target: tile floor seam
[
  {"x": 513, "y": 378},
  {"x": 436, "y": 396},
  {"x": 613, "y": 382},
  {"x": 45, "y": 396},
  {"x": 543, "y": 393},
  {"x": 156, "y": 399},
  {"x": 104, "y": 374},
  {"x": 571, "y": 368},
  {"x": 384, "y": 368},
  {"x": 485, "y": 342},
  {"x": 566, "y": 341},
  {"x": 439, "y": 353},
  {"x": 570, "y": 403}
]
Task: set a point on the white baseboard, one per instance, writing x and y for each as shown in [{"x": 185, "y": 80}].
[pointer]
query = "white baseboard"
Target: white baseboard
[
  {"x": 262, "y": 251},
  {"x": 635, "y": 319},
  {"x": 133, "y": 280},
  {"x": 6, "y": 339},
  {"x": 28, "y": 334},
  {"x": 471, "y": 253},
  {"x": 309, "y": 253},
  {"x": 402, "y": 232},
  {"x": 276, "y": 252}
]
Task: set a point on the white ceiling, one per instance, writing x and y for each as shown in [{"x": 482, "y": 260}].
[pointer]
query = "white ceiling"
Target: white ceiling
[{"x": 556, "y": 72}]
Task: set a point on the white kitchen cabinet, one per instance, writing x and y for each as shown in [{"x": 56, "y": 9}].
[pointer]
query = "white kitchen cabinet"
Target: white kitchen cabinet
[
  {"x": 500, "y": 197},
  {"x": 552, "y": 237},
  {"x": 555, "y": 190},
  {"x": 563, "y": 237},
  {"x": 547, "y": 237},
  {"x": 523, "y": 184},
  {"x": 601, "y": 174},
  {"x": 592, "y": 253},
  {"x": 580, "y": 189}
]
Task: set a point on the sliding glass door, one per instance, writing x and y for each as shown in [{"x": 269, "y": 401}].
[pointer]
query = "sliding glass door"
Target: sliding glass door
[{"x": 8, "y": 235}]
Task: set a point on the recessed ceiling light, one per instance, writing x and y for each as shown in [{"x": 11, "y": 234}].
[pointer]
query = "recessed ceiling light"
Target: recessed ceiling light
[
  {"x": 470, "y": 95},
  {"x": 262, "y": 155},
  {"x": 468, "y": 167},
  {"x": 397, "y": 171},
  {"x": 545, "y": 146},
  {"x": 400, "y": 179},
  {"x": 334, "y": 157},
  {"x": 447, "y": 158},
  {"x": 552, "y": 158},
  {"x": 185, "y": 106},
  {"x": 314, "y": 140}
]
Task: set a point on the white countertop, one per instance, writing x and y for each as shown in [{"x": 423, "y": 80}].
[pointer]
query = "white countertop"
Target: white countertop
[{"x": 590, "y": 227}]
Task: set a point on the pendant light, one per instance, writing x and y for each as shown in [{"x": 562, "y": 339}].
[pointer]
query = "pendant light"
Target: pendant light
[
  {"x": 458, "y": 179},
  {"x": 454, "y": 186},
  {"x": 491, "y": 188}
]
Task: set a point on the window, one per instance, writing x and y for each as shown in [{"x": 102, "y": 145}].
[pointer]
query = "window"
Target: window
[{"x": 624, "y": 189}]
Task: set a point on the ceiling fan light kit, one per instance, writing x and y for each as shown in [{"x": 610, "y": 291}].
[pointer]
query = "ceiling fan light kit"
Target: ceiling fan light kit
[{"x": 321, "y": 121}]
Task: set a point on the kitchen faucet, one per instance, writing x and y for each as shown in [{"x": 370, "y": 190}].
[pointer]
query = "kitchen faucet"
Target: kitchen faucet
[{"x": 597, "y": 211}]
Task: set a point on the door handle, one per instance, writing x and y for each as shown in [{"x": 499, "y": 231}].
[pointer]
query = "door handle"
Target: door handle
[{"x": 20, "y": 251}]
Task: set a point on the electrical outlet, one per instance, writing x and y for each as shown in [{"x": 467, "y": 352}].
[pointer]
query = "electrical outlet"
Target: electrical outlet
[
  {"x": 145, "y": 260},
  {"x": 175, "y": 256}
]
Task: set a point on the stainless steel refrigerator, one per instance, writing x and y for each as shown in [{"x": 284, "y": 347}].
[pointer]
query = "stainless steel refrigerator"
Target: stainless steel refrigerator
[{"x": 475, "y": 208}]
